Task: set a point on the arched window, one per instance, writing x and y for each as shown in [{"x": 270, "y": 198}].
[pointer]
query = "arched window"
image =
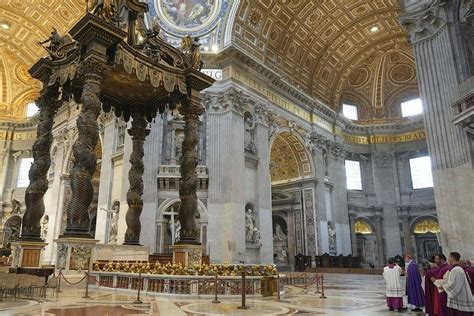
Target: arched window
[
  {"x": 412, "y": 107},
  {"x": 350, "y": 111},
  {"x": 31, "y": 109}
]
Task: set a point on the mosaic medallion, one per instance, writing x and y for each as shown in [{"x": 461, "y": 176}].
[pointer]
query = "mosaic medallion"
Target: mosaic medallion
[{"x": 196, "y": 17}]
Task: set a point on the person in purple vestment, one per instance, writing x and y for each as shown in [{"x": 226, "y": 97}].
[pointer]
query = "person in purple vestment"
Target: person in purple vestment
[
  {"x": 415, "y": 294},
  {"x": 441, "y": 309},
  {"x": 430, "y": 289},
  {"x": 456, "y": 285},
  {"x": 467, "y": 266}
]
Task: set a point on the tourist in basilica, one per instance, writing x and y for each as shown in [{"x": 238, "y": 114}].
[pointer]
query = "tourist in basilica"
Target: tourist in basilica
[{"x": 244, "y": 157}]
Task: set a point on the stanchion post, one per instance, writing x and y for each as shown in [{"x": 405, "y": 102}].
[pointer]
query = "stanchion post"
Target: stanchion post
[
  {"x": 86, "y": 295},
  {"x": 305, "y": 284},
  {"x": 278, "y": 288},
  {"x": 58, "y": 287},
  {"x": 216, "y": 280},
  {"x": 322, "y": 287},
  {"x": 138, "y": 301},
  {"x": 244, "y": 290},
  {"x": 318, "y": 281}
]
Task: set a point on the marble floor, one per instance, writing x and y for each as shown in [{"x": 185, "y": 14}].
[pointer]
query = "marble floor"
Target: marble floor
[{"x": 346, "y": 295}]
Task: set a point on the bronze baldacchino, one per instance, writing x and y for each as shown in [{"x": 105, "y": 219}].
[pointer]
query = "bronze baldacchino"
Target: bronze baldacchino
[{"x": 103, "y": 65}]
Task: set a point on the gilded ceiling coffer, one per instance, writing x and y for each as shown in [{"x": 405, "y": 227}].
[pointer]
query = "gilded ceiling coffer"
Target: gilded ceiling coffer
[{"x": 100, "y": 66}]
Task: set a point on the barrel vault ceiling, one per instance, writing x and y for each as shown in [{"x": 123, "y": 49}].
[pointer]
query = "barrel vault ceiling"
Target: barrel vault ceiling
[
  {"x": 327, "y": 48},
  {"x": 334, "y": 50},
  {"x": 24, "y": 23}
]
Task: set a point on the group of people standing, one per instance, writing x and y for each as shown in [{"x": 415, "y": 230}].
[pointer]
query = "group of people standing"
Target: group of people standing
[{"x": 448, "y": 286}]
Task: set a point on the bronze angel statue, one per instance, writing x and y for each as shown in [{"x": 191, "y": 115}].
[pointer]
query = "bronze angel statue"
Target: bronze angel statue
[{"x": 191, "y": 48}]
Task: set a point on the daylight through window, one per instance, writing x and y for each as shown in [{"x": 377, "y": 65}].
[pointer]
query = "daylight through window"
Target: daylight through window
[
  {"x": 353, "y": 175},
  {"x": 412, "y": 107},
  {"x": 23, "y": 169},
  {"x": 421, "y": 176},
  {"x": 350, "y": 111}
]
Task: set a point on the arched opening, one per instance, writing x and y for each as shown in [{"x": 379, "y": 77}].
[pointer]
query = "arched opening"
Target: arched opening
[
  {"x": 168, "y": 226},
  {"x": 426, "y": 233},
  {"x": 11, "y": 231},
  {"x": 366, "y": 242},
  {"x": 293, "y": 200}
]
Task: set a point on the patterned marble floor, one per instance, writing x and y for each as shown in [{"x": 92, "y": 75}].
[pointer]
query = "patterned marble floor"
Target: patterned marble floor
[{"x": 346, "y": 295}]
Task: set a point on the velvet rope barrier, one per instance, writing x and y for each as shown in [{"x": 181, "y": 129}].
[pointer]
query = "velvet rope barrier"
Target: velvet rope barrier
[{"x": 72, "y": 283}]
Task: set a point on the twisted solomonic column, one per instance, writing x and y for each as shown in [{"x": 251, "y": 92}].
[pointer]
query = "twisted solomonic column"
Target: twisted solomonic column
[
  {"x": 191, "y": 110},
  {"x": 85, "y": 159},
  {"x": 138, "y": 132},
  {"x": 48, "y": 104}
]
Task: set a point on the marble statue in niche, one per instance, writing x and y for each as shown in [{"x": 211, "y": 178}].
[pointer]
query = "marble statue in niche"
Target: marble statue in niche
[
  {"x": 121, "y": 134},
  {"x": 325, "y": 161},
  {"x": 279, "y": 234},
  {"x": 332, "y": 238},
  {"x": 280, "y": 238},
  {"x": 249, "y": 224},
  {"x": 177, "y": 230},
  {"x": 44, "y": 226},
  {"x": 252, "y": 234},
  {"x": 249, "y": 139},
  {"x": 114, "y": 223}
]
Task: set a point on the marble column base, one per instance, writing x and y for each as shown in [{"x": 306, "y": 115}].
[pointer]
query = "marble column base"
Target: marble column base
[
  {"x": 74, "y": 254},
  {"x": 187, "y": 255},
  {"x": 27, "y": 254}
]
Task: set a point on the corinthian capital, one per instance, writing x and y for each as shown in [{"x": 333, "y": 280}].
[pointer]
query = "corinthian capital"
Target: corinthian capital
[{"x": 423, "y": 23}]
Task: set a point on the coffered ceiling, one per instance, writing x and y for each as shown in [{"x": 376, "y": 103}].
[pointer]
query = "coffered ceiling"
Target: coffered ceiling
[
  {"x": 318, "y": 44},
  {"x": 334, "y": 50},
  {"x": 23, "y": 24}
]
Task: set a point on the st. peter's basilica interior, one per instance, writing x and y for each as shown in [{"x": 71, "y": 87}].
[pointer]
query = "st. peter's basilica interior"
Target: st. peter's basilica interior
[{"x": 268, "y": 154}]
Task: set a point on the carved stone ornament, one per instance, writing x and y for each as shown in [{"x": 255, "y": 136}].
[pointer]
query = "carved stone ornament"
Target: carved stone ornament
[
  {"x": 384, "y": 159},
  {"x": 230, "y": 100},
  {"x": 62, "y": 256},
  {"x": 194, "y": 258},
  {"x": 80, "y": 257},
  {"x": 426, "y": 22}
]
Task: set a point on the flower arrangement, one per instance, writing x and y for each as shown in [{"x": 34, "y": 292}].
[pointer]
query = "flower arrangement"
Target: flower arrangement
[{"x": 178, "y": 269}]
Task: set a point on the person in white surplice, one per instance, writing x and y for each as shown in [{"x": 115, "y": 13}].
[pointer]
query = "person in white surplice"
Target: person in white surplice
[
  {"x": 456, "y": 285},
  {"x": 391, "y": 274}
]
